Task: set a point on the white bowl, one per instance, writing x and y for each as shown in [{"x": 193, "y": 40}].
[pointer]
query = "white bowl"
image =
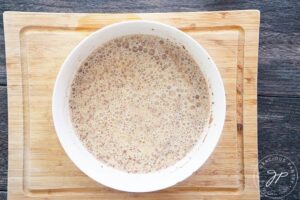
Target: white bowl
[{"x": 98, "y": 170}]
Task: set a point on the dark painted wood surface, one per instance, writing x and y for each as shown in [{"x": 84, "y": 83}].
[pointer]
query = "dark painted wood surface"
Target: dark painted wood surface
[
  {"x": 3, "y": 139},
  {"x": 279, "y": 64},
  {"x": 2, "y": 195},
  {"x": 278, "y": 130}
]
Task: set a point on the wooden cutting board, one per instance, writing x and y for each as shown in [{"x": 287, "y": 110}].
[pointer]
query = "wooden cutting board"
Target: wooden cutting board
[{"x": 36, "y": 46}]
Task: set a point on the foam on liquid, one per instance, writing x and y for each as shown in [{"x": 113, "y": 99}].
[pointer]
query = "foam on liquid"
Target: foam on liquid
[{"x": 139, "y": 103}]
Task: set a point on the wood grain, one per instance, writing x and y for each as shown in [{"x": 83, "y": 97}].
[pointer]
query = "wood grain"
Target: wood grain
[
  {"x": 41, "y": 85},
  {"x": 279, "y": 72},
  {"x": 283, "y": 111},
  {"x": 3, "y": 139},
  {"x": 279, "y": 125},
  {"x": 3, "y": 195},
  {"x": 278, "y": 69},
  {"x": 2, "y": 53},
  {"x": 230, "y": 37}
]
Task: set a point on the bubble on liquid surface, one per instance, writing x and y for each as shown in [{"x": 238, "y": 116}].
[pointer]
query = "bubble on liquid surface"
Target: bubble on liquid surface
[{"x": 139, "y": 103}]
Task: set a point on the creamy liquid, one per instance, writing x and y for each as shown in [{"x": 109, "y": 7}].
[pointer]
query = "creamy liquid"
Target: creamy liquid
[{"x": 139, "y": 103}]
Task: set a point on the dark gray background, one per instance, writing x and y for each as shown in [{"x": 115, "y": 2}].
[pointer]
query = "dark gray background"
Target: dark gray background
[{"x": 279, "y": 65}]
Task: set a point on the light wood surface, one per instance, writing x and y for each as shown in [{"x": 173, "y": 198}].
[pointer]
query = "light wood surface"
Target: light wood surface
[{"x": 36, "y": 46}]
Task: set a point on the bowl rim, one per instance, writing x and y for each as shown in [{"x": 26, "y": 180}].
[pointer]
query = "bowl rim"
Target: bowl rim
[{"x": 137, "y": 185}]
